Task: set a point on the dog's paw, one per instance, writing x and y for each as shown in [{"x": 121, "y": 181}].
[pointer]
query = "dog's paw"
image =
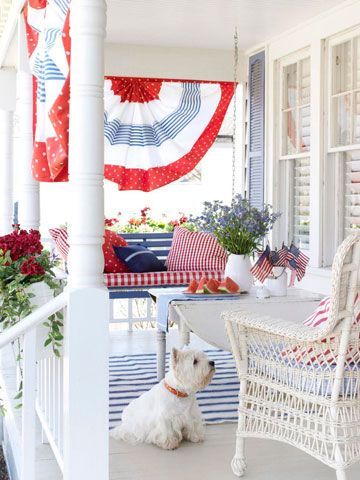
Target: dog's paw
[
  {"x": 194, "y": 435},
  {"x": 169, "y": 444}
]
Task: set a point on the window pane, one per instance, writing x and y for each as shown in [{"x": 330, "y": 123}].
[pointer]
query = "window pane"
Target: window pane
[
  {"x": 301, "y": 202},
  {"x": 304, "y": 129},
  {"x": 341, "y": 111},
  {"x": 352, "y": 191},
  {"x": 290, "y": 85},
  {"x": 357, "y": 118},
  {"x": 305, "y": 81},
  {"x": 289, "y": 132},
  {"x": 357, "y": 62},
  {"x": 342, "y": 81}
]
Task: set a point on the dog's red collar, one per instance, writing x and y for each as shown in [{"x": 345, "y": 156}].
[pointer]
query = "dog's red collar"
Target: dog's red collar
[{"x": 175, "y": 392}]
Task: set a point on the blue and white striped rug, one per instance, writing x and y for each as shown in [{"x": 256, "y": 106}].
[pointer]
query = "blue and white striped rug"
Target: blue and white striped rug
[{"x": 131, "y": 375}]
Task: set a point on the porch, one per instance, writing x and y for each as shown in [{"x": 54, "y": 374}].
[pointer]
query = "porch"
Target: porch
[{"x": 268, "y": 460}]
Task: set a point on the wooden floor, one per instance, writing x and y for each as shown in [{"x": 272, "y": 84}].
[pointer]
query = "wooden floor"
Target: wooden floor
[{"x": 267, "y": 460}]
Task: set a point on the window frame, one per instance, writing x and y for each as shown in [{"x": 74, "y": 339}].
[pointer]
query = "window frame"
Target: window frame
[
  {"x": 348, "y": 35},
  {"x": 284, "y": 175}
]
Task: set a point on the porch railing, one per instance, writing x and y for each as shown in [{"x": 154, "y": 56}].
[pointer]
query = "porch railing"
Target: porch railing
[{"x": 42, "y": 391}]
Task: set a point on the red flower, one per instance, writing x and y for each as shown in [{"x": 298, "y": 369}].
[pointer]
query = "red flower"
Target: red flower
[
  {"x": 109, "y": 222},
  {"x": 32, "y": 267},
  {"x": 21, "y": 243},
  {"x": 183, "y": 219},
  {"x": 134, "y": 221},
  {"x": 144, "y": 211},
  {"x": 174, "y": 223}
]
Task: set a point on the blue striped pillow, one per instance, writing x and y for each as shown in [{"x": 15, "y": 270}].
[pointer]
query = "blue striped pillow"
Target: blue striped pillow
[{"x": 139, "y": 259}]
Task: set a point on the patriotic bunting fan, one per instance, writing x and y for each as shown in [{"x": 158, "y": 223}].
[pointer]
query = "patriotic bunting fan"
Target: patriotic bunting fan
[{"x": 155, "y": 130}]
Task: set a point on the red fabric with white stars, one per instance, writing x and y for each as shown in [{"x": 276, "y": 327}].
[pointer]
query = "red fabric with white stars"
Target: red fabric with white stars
[
  {"x": 111, "y": 262},
  {"x": 50, "y": 158},
  {"x": 157, "y": 279},
  {"x": 195, "y": 251}
]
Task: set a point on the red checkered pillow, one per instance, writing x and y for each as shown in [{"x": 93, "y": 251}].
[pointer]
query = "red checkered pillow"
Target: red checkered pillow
[
  {"x": 195, "y": 251},
  {"x": 111, "y": 263}
]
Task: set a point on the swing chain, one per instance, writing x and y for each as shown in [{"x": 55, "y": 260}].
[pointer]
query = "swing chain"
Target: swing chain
[{"x": 236, "y": 61}]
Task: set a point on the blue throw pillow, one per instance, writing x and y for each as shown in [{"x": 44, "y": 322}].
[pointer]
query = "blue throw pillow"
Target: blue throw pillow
[{"x": 139, "y": 259}]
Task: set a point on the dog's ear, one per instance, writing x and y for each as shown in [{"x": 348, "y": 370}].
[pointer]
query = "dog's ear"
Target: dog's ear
[{"x": 174, "y": 356}]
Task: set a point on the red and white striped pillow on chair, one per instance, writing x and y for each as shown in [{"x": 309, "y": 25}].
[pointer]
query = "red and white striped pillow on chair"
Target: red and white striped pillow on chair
[{"x": 195, "y": 251}]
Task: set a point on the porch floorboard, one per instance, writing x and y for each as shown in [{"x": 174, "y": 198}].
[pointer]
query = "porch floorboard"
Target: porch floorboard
[{"x": 267, "y": 460}]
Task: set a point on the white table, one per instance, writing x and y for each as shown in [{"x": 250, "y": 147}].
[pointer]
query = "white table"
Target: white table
[{"x": 203, "y": 318}]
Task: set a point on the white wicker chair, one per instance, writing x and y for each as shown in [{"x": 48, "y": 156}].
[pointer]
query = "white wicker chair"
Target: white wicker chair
[{"x": 301, "y": 385}]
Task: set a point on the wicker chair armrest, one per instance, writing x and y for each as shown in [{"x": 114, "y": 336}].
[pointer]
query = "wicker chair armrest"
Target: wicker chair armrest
[{"x": 276, "y": 326}]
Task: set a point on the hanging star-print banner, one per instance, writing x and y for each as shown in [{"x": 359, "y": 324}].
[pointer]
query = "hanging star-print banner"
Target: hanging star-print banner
[{"x": 155, "y": 130}]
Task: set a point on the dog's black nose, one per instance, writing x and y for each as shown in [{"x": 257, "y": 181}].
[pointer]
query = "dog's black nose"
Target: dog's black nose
[{"x": 211, "y": 363}]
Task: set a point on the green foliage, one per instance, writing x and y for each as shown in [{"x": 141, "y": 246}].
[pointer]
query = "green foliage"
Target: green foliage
[{"x": 17, "y": 274}]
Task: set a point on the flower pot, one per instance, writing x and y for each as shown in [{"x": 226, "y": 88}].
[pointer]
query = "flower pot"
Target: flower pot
[
  {"x": 277, "y": 285},
  {"x": 238, "y": 268},
  {"x": 43, "y": 294}
]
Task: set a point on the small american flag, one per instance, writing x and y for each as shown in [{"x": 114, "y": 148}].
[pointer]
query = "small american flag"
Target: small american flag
[
  {"x": 298, "y": 262},
  {"x": 263, "y": 267}
]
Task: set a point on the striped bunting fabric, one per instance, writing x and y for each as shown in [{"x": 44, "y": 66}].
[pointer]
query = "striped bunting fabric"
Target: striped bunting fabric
[
  {"x": 155, "y": 130},
  {"x": 132, "y": 375}
]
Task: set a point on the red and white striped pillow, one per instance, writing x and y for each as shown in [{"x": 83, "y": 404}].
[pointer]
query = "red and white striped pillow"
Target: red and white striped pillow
[
  {"x": 195, "y": 251},
  {"x": 111, "y": 263},
  {"x": 60, "y": 237},
  {"x": 321, "y": 313}
]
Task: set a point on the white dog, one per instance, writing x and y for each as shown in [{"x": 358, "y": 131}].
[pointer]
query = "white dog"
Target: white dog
[{"x": 169, "y": 412}]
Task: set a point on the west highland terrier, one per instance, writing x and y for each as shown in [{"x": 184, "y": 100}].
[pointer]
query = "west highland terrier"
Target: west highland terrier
[{"x": 169, "y": 413}]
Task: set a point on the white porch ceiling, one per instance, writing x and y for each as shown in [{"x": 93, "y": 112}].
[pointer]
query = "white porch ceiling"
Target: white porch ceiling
[{"x": 206, "y": 23}]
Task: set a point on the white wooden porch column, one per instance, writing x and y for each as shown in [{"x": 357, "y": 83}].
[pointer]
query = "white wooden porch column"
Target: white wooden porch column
[
  {"x": 86, "y": 337},
  {"x": 28, "y": 188},
  {"x": 6, "y": 168}
]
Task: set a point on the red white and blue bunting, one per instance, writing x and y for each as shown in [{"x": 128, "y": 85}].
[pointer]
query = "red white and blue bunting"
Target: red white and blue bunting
[{"x": 155, "y": 130}]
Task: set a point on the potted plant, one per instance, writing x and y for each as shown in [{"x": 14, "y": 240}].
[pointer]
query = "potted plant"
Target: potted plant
[
  {"x": 27, "y": 281},
  {"x": 240, "y": 229}
]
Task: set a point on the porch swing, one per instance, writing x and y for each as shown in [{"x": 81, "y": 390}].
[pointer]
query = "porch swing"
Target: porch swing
[{"x": 134, "y": 97}]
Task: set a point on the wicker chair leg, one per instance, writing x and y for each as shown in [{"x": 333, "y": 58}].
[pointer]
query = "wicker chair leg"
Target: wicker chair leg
[
  {"x": 238, "y": 463},
  {"x": 340, "y": 474}
]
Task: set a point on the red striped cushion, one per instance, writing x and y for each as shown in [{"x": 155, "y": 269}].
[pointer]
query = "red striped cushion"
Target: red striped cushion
[
  {"x": 195, "y": 251},
  {"x": 308, "y": 355},
  {"x": 149, "y": 279},
  {"x": 321, "y": 313},
  {"x": 60, "y": 237},
  {"x": 111, "y": 263}
]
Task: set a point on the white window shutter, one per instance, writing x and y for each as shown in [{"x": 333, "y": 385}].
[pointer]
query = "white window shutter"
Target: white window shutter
[{"x": 256, "y": 129}]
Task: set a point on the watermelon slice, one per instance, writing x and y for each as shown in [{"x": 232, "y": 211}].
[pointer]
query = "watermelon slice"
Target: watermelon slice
[
  {"x": 201, "y": 285},
  {"x": 212, "y": 286},
  {"x": 192, "y": 286},
  {"x": 229, "y": 286}
]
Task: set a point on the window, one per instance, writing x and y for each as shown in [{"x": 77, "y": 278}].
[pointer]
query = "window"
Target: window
[
  {"x": 343, "y": 157},
  {"x": 345, "y": 93},
  {"x": 294, "y": 147}
]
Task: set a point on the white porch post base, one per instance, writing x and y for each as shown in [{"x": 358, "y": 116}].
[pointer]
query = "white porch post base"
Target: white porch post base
[
  {"x": 86, "y": 397},
  {"x": 6, "y": 168}
]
